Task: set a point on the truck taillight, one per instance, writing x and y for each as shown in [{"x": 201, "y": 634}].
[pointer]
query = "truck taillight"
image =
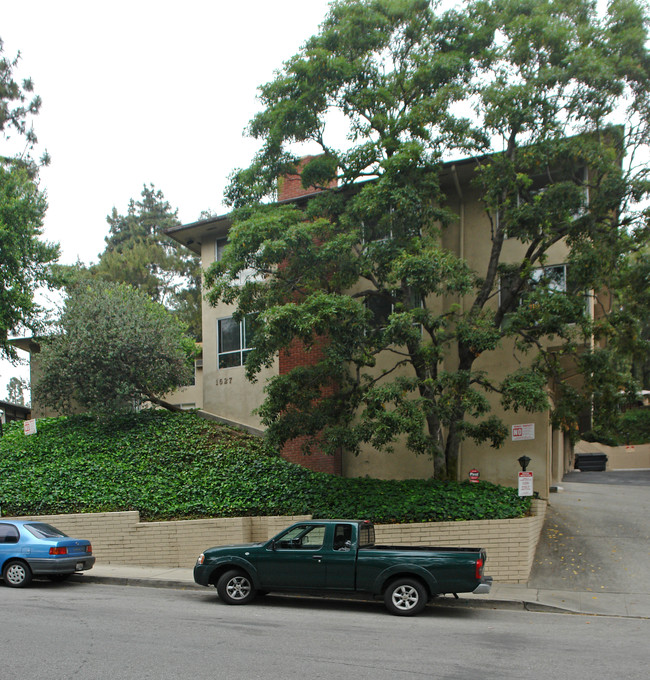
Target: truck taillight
[
  {"x": 479, "y": 567},
  {"x": 89, "y": 549},
  {"x": 59, "y": 551}
]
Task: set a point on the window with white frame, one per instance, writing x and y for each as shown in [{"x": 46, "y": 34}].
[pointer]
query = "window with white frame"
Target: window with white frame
[
  {"x": 382, "y": 307},
  {"x": 383, "y": 229},
  {"x": 555, "y": 278},
  {"x": 244, "y": 275},
  {"x": 376, "y": 229},
  {"x": 234, "y": 340},
  {"x": 540, "y": 186}
]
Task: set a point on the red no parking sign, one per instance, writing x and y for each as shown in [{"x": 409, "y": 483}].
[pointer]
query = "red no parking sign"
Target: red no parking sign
[{"x": 525, "y": 483}]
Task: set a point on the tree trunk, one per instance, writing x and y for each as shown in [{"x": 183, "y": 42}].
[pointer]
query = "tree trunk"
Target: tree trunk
[{"x": 163, "y": 404}]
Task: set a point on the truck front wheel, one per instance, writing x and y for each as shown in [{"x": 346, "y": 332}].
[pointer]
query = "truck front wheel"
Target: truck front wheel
[
  {"x": 235, "y": 587},
  {"x": 405, "y": 597}
]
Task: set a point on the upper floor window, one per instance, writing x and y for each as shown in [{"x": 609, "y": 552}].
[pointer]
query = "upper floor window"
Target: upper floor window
[
  {"x": 542, "y": 202},
  {"x": 234, "y": 340},
  {"x": 382, "y": 307},
  {"x": 552, "y": 278},
  {"x": 386, "y": 228},
  {"x": 376, "y": 229},
  {"x": 244, "y": 275},
  {"x": 219, "y": 247}
]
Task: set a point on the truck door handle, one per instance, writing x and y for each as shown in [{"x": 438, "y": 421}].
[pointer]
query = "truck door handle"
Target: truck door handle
[{"x": 318, "y": 558}]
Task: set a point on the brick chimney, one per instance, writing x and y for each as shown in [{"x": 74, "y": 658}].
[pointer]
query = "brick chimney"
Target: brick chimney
[{"x": 290, "y": 186}]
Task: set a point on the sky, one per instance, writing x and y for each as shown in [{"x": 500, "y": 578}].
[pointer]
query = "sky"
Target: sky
[{"x": 144, "y": 91}]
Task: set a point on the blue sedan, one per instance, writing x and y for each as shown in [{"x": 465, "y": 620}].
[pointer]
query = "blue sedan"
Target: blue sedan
[{"x": 30, "y": 548}]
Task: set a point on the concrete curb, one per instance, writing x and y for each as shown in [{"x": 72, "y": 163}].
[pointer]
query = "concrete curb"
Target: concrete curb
[
  {"x": 136, "y": 581},
  {"x": 442, "y": 602}
]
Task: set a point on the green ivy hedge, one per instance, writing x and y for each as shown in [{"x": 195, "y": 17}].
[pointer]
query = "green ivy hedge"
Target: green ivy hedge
[
  {"x": 179, "y": 466},
  {"x": 631, "y": 427}
]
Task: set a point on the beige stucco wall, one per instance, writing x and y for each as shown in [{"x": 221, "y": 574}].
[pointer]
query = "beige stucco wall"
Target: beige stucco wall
[
  {"x": 470, "y": 237},
  {"x": 228, "y": 394},
  {"x": 120, "y": 537},
  {"x": 189, "y": 396}
]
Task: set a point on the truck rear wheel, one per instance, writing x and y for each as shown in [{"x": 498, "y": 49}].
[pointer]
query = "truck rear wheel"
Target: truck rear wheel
[
  {"x": 405, "y": 597},
  {"x": 235, "y": 587}
]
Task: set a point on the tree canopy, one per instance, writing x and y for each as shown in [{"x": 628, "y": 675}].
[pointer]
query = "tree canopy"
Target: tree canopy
[
  {"x": 115, "y": 349},
  {"x": 25, "y": 259},
  {"x": 551, "y": 100},
  {"x": 16, "y": 388},
  {"x": 139, "y": 253}
]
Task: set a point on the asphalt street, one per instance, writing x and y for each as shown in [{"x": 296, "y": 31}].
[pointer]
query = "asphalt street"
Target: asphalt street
[{"x": 81, "y": 629}]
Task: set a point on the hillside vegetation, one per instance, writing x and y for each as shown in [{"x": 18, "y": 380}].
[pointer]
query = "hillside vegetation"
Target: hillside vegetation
[{"x": 178, "y": 466}]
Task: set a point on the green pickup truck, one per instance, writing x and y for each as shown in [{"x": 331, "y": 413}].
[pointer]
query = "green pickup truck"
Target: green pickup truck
[{"x": 340, "y": 556}]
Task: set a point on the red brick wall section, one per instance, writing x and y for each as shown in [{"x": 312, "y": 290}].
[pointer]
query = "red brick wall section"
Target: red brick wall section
[
  {"x": 290, "y": 186},
  {"x": 299, "y": 355},
  {"x": 316, "y": 460}
]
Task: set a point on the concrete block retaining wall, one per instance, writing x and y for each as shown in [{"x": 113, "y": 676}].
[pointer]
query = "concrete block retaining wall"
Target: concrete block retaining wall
[
  {"x": 121, "y": 538},
  {"x": 510, "y": 543}
]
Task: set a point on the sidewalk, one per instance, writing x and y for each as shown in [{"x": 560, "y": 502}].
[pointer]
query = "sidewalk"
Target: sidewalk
[
  {"x": 592, "y": 557},
  {"x": 502, "y": 595}
]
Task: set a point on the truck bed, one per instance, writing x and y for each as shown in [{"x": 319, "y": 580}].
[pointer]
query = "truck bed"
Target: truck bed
[{"x": 419, "y": 548}]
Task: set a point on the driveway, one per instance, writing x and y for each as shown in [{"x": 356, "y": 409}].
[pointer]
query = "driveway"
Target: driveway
[
  {"x": 616, "y": 477},
  {"x": 597, "y": 536}
]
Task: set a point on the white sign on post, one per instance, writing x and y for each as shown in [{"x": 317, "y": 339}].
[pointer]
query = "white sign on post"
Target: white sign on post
[
  {"x": 521, "y": 433},
  {"x": 29, "y": 427},
  {"x": 525, "y": 483}
]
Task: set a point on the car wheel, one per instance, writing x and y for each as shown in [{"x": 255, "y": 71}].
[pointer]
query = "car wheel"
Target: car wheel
[
  {"x": 235, "y": 587},
  {"x": 405, "y": 597},
  {"x": 16, "y": 574}
]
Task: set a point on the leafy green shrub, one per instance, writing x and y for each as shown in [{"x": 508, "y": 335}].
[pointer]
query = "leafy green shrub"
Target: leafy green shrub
[
  {"x": 178, "y": 466},
  {"x": 630, "y": 427},
  {"x": 634, "y": 426},
  {"x": 597, "y": 435}
]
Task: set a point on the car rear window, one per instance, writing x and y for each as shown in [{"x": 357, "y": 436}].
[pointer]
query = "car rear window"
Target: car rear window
[
  {"x": 366, "y": 535},
  {"x": 42, "y": 530}
]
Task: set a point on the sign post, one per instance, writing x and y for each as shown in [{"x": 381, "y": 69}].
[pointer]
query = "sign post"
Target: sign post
[
  {"x": 29, "y": 426},
  {"x": 525, "y": 483}
]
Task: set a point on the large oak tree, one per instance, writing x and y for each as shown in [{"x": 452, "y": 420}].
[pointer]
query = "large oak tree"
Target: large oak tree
[{"x": 550, "y": 99}]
